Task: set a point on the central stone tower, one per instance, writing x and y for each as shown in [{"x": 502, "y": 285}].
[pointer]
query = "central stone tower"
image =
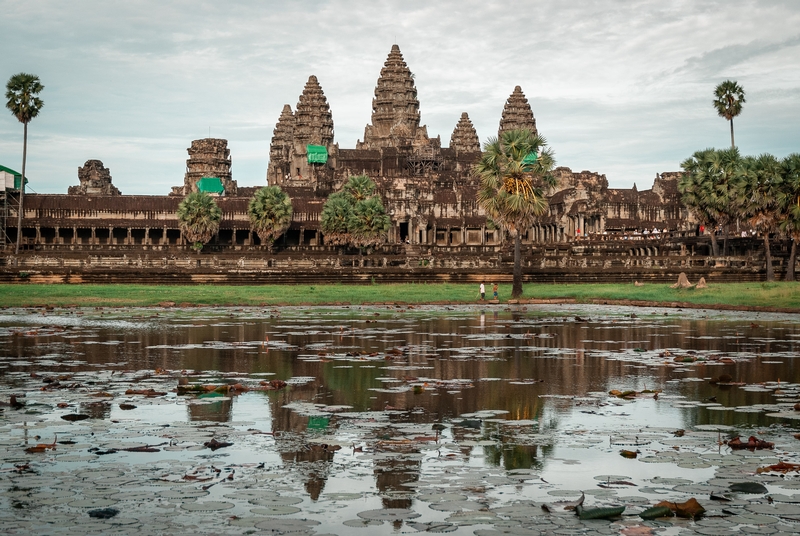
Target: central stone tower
[{"x": 395, "y": 108}]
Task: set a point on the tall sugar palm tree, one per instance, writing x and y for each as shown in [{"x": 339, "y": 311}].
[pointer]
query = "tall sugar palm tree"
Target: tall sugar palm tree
[
  {"x": 761, "y": 198},
  {"x": 270, "y": 213},
  {"x": 335, "y": 219},
  {"x": 199, "y": 218},
  {"x": 790, "y": 199},
  {"x": 513, "y": 172},
  {"x": 369, "y": 224},
  {"x": 728, "y": 100},
  {"x": 22, "y": 100}
]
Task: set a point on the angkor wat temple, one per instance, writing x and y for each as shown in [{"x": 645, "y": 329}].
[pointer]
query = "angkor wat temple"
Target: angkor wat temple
[{"x": 427, "y": 189}]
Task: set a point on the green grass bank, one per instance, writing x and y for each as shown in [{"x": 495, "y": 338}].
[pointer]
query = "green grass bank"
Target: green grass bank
[{"x": 781, "y": 295}]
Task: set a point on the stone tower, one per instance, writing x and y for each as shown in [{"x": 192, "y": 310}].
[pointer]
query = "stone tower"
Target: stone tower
[
  {"x": 465, "y": 138},
  {"x": 209, "y": 157},
  {"x": 517, "y": 113},
  {"x": 310, "y": 124},
  {"x": 395, "y": 108},
  {"x": 313, "y": 122},
  {"x": 280, "y": 150},
  {"x": 94, "y": 179}
]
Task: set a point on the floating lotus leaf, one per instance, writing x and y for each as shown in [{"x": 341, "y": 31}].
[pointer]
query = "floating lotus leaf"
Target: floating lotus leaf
[
  {"x": 599, "y": 513},
  {"x": 388, "y": 514},
  {"x": 748, "y": 487},
  {"x": 455, "y": 506},
  {"x": 656, "y": 512},
  {"x": 277, "y": 510},
  {"x": 286, "y": 525},
  {"x": 362, "y": 523},
  {"x": 207, "y": 506}
]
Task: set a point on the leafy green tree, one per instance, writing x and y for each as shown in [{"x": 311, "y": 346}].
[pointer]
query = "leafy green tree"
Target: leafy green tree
[
  {"x": 762, "y": 201},
  {"x": 728, "y": 100},
  {"x": 270, "y": 213},
  {"x": 335, "y": 219},
  {"x": 22, "y": 100},
  {"x": 199, "y": 218},
  {"x": 359, "y": 188},
  {"x": 513, "y": 171},
  {"x": 709, "y": 188},
  {"x": 369, "y": 224},
  {"x": 790, "y": 200},
  {"x": 355, "y": 216}
]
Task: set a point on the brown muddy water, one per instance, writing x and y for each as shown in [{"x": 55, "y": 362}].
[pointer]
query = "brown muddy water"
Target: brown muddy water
[{"x": 393, "y": 420}]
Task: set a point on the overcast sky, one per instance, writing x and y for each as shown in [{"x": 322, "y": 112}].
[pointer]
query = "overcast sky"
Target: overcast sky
[{"x": 623, "y": 88}]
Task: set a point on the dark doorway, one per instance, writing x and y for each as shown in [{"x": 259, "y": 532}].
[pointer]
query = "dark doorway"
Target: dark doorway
[{"x": 404, "y": 231}]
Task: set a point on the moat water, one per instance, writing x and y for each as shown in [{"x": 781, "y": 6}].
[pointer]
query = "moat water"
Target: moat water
[{"x": 393, "y": 419}]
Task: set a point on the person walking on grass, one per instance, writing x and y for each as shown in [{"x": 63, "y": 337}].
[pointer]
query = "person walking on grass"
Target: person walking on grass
[
  {"x": 494, "y": 290},
  {"x": 483, "y": 291}
]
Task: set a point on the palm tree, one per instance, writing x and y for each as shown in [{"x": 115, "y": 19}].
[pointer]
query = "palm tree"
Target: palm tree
[
  {"x": 359, "y": 187},
  {"x": 21, "y": 94},
  {"x": 355, "y": 215},
  {"x": 709, "y": 188},
  {"x": 790, "y": 199},
  {"x": 270, "y": 213},
  {"x": 369, "y": 224},
  {"x": 729, "y": 97},
  {"x": 335, "y": 218},
  {"x": 761, "y": 200},
  {"x": 198, "y": 218},
  {"x": 513, "y": 171}
]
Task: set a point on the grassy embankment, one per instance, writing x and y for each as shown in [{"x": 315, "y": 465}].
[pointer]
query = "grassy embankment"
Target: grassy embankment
[{"x": 779, "y": 295}]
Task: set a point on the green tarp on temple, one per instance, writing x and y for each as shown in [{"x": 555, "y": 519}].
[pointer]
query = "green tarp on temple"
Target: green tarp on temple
[
  {"x": 317, "y": 154},
  {"x": 210, "y": 185},
  {"x": 11, "y": 178},
  {"x": 530, "y": 159}
]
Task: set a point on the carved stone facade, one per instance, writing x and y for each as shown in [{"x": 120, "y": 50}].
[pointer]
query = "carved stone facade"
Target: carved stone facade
[
  {"x": 428, "y": 190},
  {"x": 209, "y": 157},
  {"x": 94, "y": 179}
]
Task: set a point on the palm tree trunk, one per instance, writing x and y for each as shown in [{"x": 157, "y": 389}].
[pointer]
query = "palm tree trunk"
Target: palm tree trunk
[
  {"x": 714, "y": 245},
  {"x": 770, "y": 271},
  {"x": 733, "y": 145},
  {"x": 22, "y": 184},
  {"x": 725, "y": 242},
  {"x": 516, "y": 288},
  {"x": 792, "y": 257}
]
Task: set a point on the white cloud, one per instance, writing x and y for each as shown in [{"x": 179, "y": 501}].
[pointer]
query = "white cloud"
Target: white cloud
[{"x": 618, "y": 87}]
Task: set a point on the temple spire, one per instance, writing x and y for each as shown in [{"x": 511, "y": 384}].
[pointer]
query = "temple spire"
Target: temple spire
[
  {"x": 465, "y": 138},
  {"x": 395, "y": 108},
  {"x": 281, "y": 146},
  {"x": 313, "y": 120},
  {"x": 517, "y": 114}
]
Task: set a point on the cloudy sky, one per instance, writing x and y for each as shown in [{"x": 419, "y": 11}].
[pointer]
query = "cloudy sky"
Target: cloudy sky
[{"x": 623, "y": 88}]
